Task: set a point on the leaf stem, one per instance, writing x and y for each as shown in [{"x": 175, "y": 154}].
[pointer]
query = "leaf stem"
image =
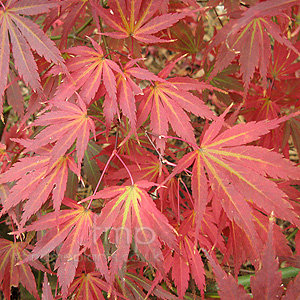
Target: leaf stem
[
  {"x": 131, "y": 178},
  {"x": 92, "y": 117},
  {"x": 99, "y": 181},
  {"x": 161, "y": 136},
  {"x": 70, "y": 36}
]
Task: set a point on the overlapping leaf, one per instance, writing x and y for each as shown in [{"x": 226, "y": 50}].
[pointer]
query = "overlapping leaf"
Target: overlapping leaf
[
  {"x": 267, "y": 281},
  {"x": 73, "y": 228},
  {"x": 65, "y": 125},
  {"x": 265, "y": 285},
  {"x": 88, "y": 286},
  {"x": 134, "y": 19},
  {"x": 24, "y": 35},
  {"x": 88, "y": 68},
  {"x": 229, "y": 289},
  {"x": 36, "y": 179},
  {"x": 71, "y": 10},
  {"x": 248, "y": 36},
  {"x": 241, "y": 249},
  {"x": 188, "y": 261},
  {"x": 11, "y": 274},
  {"x": 166, "y": 102},
  {"x": 127, "y": 89},
  {"x": 131, "y": 215},
  {"x": 237, "y": 173}
]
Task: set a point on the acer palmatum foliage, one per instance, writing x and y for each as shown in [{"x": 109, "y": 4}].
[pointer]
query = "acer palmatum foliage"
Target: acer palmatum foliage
[{"x": 143, "y": 142}]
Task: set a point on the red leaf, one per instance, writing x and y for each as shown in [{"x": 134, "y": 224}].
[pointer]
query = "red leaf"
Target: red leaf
[
  {"x": 36, "y": 179},
  {"x": 24, "y": 36},
  {"x": 248, "y": 36},
  {"x": 167, "y": 102},
  {"x": 229, "y": 289},
  {"x": 47, "y": 292},
  {"x": 293, "y": 290},
  {"x": 11, "y": 273},
  {"x": 88, "y": 68},
  {"x": 132, "y": 212},
  {"x": 228, "y": 165},
  {"x": 130, "y": 19},
  {"x": 73, "y": 228},
  {"x": 67, "y": 124},
  {"x": 266, "y": 284}
]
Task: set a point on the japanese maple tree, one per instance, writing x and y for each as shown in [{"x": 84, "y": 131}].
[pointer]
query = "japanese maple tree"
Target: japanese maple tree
[{"x": 149, "y": 149}]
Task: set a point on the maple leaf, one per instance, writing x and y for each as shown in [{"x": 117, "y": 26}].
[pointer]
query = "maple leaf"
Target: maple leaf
[
  {"x": 237, "y": 173},
  {"x": 36, "y": 179},
  {"x": 132, "y": 19},
  {"x": 224, "y": 80},
  {"x": 242, "y": 250},
  {"x": 166, "y": 102},
  {"x": 229, "y": 289},
  {"x": 185, "y": 262},
  {"x": 248, "y": 36},
  {"x": 68, "y": 10},
  {"x": 186, "y": 40},
  {"x": 127, "y": 89},
  {"x": 267, "y": 281},
  {"x": 88, "y": 68},
  {"x": 25, "y": 35},
  {"x": 11, "y": 253},
  {"x": 67, "y": 124},
  {"x": 73, "y": 228},
  {"x": 282, "y": 65},
  {"x": 47, "y": 292},
  {"x": 88, "y": 285},
  {"x": 132, "y": 212}
]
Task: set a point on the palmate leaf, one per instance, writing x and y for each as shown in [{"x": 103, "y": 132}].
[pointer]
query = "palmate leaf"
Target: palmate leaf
[
  {"x": 88, "y": 285},
  {"x": 36, "y": 179},
  {"x": 185, "y": 40},
  {"x": 24, "y": 36},
  {"x": 248, "y": 36},
  {"x": 88, "y": 68},
  {"x": 166, "y": 102},
  {"x": 266, "y": 284},
  {"x": 72, "y": 228},
  {"x": 47, "y": 292},
  {"x": 66, "y": 124},
  {"x": 127, "y": 89},
  {"x": 70, "y": 11},
  {"x": 237, "y": 173},
  {"x": 229, "y": 289},
  {"x": 11, "y": 274},
  {"x": 132, "y": 19},
  {"x": 130, "y": 216}
]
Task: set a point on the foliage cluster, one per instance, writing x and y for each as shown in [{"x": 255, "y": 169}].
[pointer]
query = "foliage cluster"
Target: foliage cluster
[{"x": 149, "y": 148}]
